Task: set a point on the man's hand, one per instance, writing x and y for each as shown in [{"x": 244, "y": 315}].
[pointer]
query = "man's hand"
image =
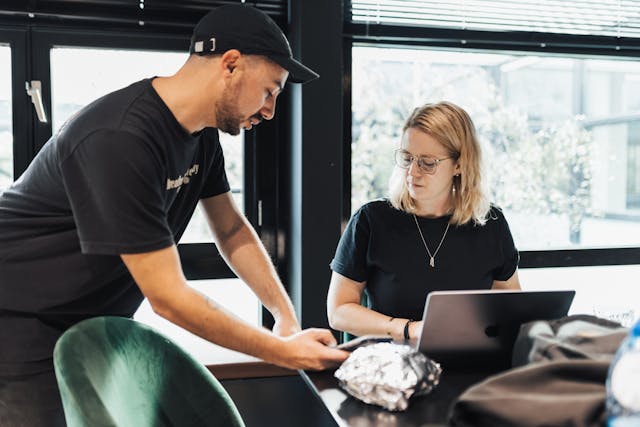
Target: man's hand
[
  {"x": 311, "y": 349},
  {"x": 285, "y": 326}
]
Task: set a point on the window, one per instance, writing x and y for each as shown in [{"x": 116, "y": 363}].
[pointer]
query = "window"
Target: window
[
  {"x": 553, "y": 90},
  {"x": 590, "y": 283},
  {"x": 6, "y": 127},
  {"x": 556, "y": 133}
]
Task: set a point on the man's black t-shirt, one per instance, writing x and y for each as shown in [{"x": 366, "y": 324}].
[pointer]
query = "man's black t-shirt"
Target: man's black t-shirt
[
  {"x": 122, "y": 176},
  {"x": 382, "y": 247}
]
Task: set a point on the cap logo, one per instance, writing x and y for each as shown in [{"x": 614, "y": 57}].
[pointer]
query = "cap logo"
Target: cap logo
[{"x": 199, "y": 45}]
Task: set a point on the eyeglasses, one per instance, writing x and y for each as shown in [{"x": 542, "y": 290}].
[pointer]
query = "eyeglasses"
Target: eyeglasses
[{"x": 426, "y": 164}]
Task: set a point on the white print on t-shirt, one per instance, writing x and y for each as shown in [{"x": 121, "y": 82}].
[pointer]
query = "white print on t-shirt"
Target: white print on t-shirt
[{"x": 182, "y": 179}]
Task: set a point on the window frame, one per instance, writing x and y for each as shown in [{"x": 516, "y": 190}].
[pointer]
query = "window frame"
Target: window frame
[
  {"x": 22, "y": 119},
  {"x": 486, "y": 41}
]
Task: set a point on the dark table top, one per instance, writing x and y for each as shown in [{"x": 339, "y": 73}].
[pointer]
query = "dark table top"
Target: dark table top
[
  {"x": 429, "y": 410},
  {"x": 276, "y": 397},
  {"x": 283, "y": 401}
]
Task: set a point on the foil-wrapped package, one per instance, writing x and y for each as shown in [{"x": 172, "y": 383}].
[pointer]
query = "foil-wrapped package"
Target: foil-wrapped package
[{"x": 388, "y": 374}]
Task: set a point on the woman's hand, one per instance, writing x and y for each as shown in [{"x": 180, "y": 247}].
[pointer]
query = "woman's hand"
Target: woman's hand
[{"x": 415, "y": 330}]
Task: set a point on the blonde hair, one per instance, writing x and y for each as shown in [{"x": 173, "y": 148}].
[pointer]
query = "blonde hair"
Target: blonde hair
[{"x": 452, "y": 127}]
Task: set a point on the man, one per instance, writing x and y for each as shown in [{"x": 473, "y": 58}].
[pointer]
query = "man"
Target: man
[{"x": 90, "y": 228}]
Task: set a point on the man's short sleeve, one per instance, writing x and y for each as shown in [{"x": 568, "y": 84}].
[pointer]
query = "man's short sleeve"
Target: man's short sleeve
[
  {"x": 114, "y": 183},
  {"x": 351, "y": 255},
  {"x": 216, "y": 181}
]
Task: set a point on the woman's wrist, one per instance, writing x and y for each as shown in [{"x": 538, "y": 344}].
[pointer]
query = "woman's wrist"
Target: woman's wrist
[
  {"x": 399, "y": 328},
  {"x": 406, "y": 332},
  {"x": 395, "y": 327}
]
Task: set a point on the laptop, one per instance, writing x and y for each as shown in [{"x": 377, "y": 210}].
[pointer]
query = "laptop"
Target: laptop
[{"x": 480, "y": 327}]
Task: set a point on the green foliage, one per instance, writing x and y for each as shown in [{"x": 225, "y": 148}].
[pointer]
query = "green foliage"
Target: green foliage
[{"x": 532, "y": 171}]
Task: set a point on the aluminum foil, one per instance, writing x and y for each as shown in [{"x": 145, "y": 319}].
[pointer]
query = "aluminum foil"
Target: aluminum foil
[{"x": 388, "y": 374}]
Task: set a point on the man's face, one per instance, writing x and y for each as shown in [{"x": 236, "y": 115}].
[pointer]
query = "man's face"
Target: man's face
[{"x": 251, "y": 96}]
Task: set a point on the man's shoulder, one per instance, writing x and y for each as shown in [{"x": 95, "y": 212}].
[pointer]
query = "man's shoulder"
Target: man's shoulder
[{"x": 106, "y": 112}]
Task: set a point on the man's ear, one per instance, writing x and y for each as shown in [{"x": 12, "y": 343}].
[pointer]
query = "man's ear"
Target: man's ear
[{"x": 229, "y": 60}]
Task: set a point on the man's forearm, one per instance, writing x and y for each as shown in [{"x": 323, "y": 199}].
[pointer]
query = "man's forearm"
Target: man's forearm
[
  {"x": 246, "y": 255},
  {"x": 160, "y": 279},
  {"x": 212, "y": 322}
]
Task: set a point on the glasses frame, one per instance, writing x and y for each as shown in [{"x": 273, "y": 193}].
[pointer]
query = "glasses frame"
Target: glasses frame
[{"x": 419, "y": 161}]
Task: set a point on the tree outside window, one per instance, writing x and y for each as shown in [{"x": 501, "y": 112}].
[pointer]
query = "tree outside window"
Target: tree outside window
[{"x": 555, "y": 135}]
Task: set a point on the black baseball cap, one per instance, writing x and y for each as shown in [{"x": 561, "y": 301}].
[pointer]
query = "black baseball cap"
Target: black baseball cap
[{"x": 252, "y": 32}]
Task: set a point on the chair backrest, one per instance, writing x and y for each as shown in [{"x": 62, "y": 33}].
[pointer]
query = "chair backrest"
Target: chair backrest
[{"x": 114, "y": 371}]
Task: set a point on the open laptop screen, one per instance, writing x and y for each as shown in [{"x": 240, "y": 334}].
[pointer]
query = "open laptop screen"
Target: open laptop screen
[{"x": 468, "y": 327}]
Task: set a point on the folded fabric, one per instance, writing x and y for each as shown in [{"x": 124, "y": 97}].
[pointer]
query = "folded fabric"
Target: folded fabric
[
  {"x": 563, "y": 393},
  {"x": 572, "y": 337},
  {"x": 559, "y": 379}
]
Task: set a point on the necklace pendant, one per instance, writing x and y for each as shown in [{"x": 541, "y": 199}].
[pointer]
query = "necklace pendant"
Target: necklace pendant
[{"x": 432, "y": 262}]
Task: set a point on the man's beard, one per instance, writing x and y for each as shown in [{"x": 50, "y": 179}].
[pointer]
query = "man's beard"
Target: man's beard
[{"x": 228, "y": 119}]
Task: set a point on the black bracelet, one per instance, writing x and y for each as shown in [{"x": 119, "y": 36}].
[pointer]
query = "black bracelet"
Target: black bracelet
[{"x": 406, "y": 330}]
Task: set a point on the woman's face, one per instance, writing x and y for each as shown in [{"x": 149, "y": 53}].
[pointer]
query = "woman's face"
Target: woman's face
[{"x": 424, "y": 187}]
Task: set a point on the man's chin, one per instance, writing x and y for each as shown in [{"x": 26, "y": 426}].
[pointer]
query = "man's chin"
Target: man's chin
[{"x": 231, "y": 130}]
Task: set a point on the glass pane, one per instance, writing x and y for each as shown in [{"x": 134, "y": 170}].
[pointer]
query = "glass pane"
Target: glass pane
[
  {"x": 80, "y": 75},
  {"x": 198, "y": 230},
  {"x": 233, "y": 295},
  {"x": 607, "y": 291},
  {"x": 559, "y": 134},
  {"x": 6, "y": 126}
]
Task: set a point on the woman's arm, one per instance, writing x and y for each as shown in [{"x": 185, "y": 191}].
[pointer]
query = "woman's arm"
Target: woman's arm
[
  {"x": 345, "y": 312},
  {"x": 512, "y": 283}
]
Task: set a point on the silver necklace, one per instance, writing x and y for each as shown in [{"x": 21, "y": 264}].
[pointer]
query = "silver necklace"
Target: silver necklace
[{"x": 432, "y": 257}]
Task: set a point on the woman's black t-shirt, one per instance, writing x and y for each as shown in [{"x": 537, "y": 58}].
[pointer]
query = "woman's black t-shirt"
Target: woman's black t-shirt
[{"x": 382, "y": 247}]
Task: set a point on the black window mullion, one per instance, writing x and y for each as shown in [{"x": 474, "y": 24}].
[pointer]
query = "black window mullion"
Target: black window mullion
[
  {"x": 579, "y": 257},
  {"x": 20, "y": 103}
]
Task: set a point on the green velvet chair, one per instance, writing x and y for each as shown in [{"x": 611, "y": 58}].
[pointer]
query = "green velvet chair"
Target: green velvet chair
[{"x": 114, "y": 371}]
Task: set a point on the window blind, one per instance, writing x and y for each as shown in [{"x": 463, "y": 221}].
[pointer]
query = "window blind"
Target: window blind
[
  {"x": 155, "y": 13},
  {"x": 617, "y": 18}
]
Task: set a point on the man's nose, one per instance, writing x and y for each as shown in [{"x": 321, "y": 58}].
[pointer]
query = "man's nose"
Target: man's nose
[{"x": 268, "y": 109}]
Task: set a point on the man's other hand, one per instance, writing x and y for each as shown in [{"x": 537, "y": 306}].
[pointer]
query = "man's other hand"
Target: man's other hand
[{"x": 312, "y": 349}]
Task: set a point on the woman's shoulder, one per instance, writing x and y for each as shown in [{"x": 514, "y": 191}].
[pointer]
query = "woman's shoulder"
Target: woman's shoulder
[
  {"x": 377, "y": 207},
  {"x": 375, "y": 211},
  {"x": 495, "y": 212},
  {"x": 378, "y": 204},
  {"x": 496, "y": 218}
]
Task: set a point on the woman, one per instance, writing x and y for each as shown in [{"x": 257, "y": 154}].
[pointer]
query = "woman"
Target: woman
[{"x": 437, "y": 231}]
